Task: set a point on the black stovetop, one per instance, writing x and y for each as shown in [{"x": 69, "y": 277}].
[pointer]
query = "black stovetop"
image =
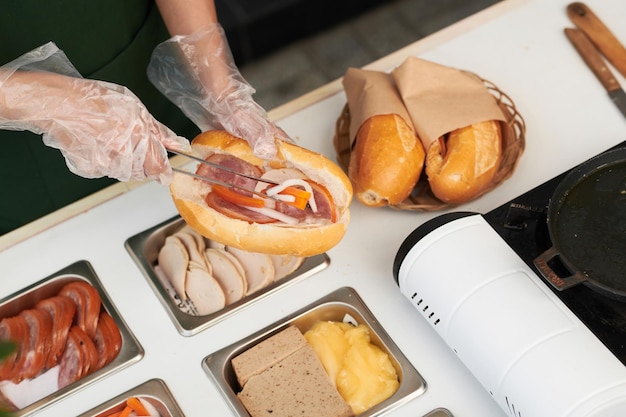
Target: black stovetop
[{"x": 522, "y": 223}]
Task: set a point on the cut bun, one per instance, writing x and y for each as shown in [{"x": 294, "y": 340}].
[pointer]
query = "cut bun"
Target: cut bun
[
  {"x": 386, "y": 161},
  {"x": 461, "y": 166},
  {"x": 303, "y": 239}
]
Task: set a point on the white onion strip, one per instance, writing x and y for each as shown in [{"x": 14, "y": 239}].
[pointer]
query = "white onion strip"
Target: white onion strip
[
  {"x": 285, "y": 197},
  {"x": 275, "y": 214},
  {"x": 273, "y": 191}
]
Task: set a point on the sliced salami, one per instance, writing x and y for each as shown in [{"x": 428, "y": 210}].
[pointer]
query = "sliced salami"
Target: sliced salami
[
  {"x": 234, "y": 164},
  {"x": 323, "y": 201},
  {"x": 79, "y": 359},
  {"x": 62, "y": 310},
  {"x": 89, "y": 349},
  {"x": 72, "y": 363},
  {"x": 17, "y": 331},
  {"x": 9, "y": 333},
  {"x": 88, "y": 303},
  {"x": 39, "y": 341},
  {"x": 108, "y": 340}
]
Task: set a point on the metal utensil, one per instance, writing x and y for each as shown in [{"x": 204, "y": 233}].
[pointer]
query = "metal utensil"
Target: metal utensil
[
  {"x": 223, "y": 184},
  {"x": 596, "y": 63},
  {"x": 226, "y": 169},
  {"x": 214, "y": 165}
]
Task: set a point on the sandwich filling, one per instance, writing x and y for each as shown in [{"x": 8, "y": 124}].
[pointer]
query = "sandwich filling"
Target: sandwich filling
[{"x": 296, "y": 200}]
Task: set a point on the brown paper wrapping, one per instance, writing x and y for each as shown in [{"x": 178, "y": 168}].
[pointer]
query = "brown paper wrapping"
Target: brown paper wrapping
[
  {"x": 372, "y": 93},
  {"x": 441, "y": 99},
  {"x": 461, "y": 98}
]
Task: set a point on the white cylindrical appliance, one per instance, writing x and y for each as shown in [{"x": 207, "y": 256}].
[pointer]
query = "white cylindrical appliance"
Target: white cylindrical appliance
[{"x": 527, "y": 349}]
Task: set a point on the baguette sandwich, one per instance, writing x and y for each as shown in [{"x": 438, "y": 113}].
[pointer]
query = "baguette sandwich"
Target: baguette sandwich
[{"x": 306, "y": 211}]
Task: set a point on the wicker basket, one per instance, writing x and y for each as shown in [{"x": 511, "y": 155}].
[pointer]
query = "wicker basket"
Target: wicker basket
[{"x": 422, "y": 199}]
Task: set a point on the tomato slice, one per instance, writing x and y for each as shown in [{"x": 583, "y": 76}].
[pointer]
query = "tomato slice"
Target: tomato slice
[{"x": 234, "y": 197}]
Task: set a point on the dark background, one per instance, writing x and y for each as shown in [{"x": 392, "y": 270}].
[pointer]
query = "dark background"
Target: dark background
[{"x": 257, "y": 27}]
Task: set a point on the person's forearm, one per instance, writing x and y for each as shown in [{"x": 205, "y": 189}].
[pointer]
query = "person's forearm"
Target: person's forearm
[
  {"x": 184, "y": 17},
  {"x": 15, "y": 101},
  {"x": 209, "y": 55},
  {"x": 220, "y": 98}
]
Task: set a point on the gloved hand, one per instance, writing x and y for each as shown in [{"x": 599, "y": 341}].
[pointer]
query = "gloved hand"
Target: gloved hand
[
  {"x": 198, "y": 74},
  {"x": 102, "y": 129}
]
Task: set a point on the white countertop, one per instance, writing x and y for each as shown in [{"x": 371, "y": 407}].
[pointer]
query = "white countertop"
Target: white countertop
[{"x": 518, "y": 44}]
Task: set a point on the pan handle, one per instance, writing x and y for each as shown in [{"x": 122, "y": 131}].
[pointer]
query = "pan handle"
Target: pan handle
[{"x": 542, "y": 262}]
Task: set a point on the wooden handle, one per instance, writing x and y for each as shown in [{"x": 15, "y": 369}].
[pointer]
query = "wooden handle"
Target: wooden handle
[
  {"x": 586, "y": 20},
  {"x": 592, "y": 58}
]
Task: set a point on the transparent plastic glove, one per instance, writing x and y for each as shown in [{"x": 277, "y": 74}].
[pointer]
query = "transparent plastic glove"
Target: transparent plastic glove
[
  {"x": 198, "y": 74},
  {"x": 102, "y": 129}
]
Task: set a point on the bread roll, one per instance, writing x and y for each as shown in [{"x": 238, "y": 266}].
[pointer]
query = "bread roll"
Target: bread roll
[
  {"x": 386, "y": 161},
  {"x": 310, "y": 236},
  {"x": 462, "y": 165}
]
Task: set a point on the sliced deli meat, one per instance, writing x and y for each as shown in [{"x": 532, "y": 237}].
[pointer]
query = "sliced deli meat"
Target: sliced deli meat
[
  {"x": 62, "y": 310},
  {"x": 200, "y": 241},
  {"x": 173, "y": 260},
  {"x": 88, "y": 304},
  {"x": 237, "y": 272},
  {"x": 238, "y": 266},
  {"x": 204, "y": 291},
  {"x": 285, "y": 264},
  {"x": 91, "y": 352},
  {"x": 74, "y": 359},
  {"x": 233, "y": 164},
  {"x": 108, "y": 340},
  {"x": 54, "y": 332},
  {"x": 258, "y": 268},
  {"x": 15, "y": 330},
  {"x": 227, "y": 275},
  {"x": 194, "y": 248},
  {"x": 80, "y": 357},
  {"x": 39, "y": 343}
]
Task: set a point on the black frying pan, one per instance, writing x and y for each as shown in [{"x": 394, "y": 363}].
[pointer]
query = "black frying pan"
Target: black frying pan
[{"x": 587, "y": 227}]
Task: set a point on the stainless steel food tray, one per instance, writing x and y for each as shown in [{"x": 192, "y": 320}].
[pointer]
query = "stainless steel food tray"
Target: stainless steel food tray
[
  {"x": 144, "y": 249},
  {"x": 130, "y": 352},
  {"x": 154, "y": 391},
  {"x": 343, "y": 304}
]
